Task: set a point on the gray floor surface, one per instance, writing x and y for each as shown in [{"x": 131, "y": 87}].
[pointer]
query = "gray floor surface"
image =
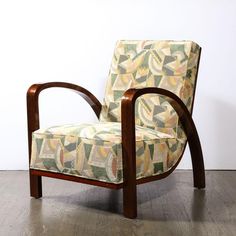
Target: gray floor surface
[{"x": 167, "y": 207}]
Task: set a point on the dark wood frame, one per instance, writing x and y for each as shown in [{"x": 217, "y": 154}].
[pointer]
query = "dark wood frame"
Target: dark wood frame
[{"x": 128, "y": 142}]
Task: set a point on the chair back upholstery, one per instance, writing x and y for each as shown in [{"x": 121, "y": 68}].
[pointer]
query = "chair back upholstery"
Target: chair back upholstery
[{"x": 170, "y": 65}]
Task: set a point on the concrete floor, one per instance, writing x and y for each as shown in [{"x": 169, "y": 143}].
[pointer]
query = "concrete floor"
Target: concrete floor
[{"x": 167, "y": 207}]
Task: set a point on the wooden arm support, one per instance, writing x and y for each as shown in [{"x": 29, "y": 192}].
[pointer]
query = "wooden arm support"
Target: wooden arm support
[
  {"x": 33, "y": 107},
  {"x": 128, "y": 138},
  {"x": 33, "y": 119}
]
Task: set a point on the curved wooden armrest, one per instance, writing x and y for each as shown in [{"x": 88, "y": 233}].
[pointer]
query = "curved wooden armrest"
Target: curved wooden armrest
[
  {"x": 33, "y": 108},
  {"x": 128, "y": 130},
  {"x": 35, "y": 89}
]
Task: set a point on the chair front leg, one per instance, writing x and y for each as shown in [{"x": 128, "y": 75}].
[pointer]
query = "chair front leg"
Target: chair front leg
[
  {"x": 129, "y": 159},
  {"x": 33, "y": 124},
  {"x": 129, "y": 184}
]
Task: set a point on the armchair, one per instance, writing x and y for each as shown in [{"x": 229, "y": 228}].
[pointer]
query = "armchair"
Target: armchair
[{"x": 144, "y": 123}]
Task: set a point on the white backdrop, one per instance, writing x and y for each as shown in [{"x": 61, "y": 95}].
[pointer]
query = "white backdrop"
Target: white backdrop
[{"x": 73, "y": 41}]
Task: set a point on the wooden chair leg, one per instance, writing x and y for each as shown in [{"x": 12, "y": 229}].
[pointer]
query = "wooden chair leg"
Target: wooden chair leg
[
  {"x": 35, "y": 186},
  {"x": 130, "y": 201},
  {"x": 198, "y": 171},
  {"x": 129, "y": 159},
  {"x": 197, "y": 160}
]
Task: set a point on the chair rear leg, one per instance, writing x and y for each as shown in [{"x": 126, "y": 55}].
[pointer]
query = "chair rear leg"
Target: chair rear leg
[
  {"x": 198, "y": 172},
  {"x": 197, "y": 161},
  {"x": 35, "y": 186}
]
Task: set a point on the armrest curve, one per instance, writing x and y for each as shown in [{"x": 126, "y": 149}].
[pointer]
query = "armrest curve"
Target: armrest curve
[
  {"x": 35, "y": 89},
  {"x": 33, "y": 106},
  {"x": 128, "y": 131}
]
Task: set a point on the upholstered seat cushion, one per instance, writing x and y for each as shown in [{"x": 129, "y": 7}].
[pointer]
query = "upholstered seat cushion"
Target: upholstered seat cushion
[{"x": 94, "y": 151}]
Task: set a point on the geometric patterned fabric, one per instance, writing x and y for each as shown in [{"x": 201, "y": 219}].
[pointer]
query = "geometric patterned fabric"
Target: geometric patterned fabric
[
  {"x": 170, "y": 65},
  {"x": 94, "y": 150}
]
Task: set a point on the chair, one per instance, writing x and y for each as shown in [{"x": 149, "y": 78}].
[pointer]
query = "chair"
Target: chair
[{"x": 144, "y": 123}]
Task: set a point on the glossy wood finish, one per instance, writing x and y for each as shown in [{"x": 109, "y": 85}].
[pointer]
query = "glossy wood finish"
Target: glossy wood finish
[
  {"x": 128, "y": 143},
  {"x": 33, "y": 119},
  {"x": 73, "y": 178}
]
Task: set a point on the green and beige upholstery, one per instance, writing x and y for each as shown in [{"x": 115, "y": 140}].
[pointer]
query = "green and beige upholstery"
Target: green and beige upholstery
[{"x": 94, "y": 150}]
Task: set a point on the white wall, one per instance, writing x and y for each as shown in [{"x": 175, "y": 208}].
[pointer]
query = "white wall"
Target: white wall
[{"x": 73, "y": 41}]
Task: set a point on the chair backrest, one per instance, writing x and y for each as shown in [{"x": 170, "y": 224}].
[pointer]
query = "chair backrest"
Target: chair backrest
[{"x": 170, "y": 65}]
